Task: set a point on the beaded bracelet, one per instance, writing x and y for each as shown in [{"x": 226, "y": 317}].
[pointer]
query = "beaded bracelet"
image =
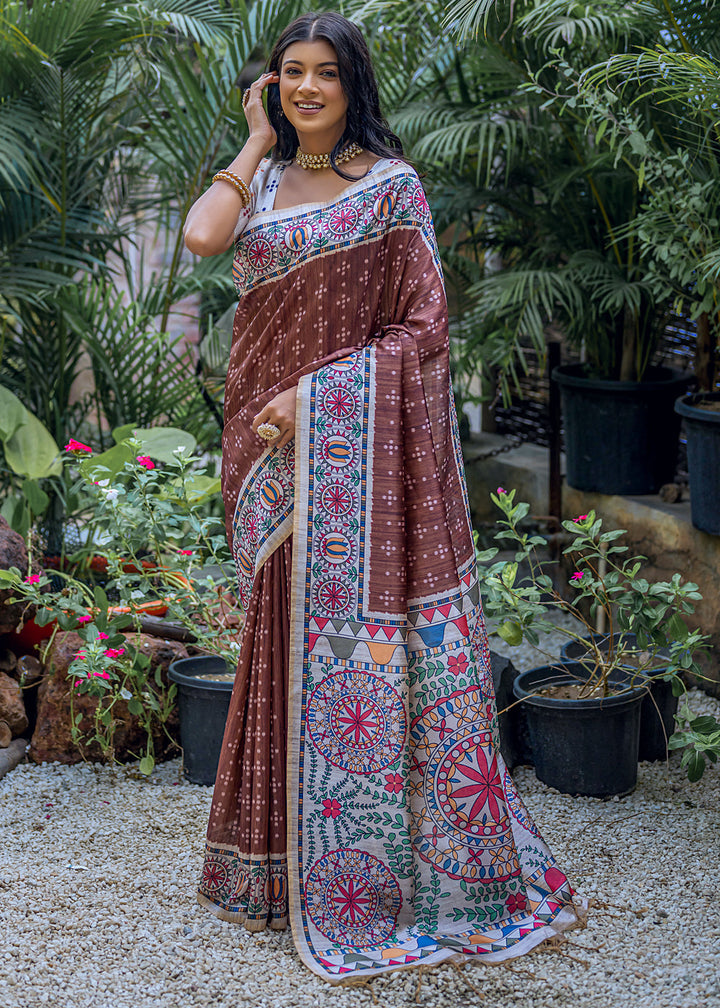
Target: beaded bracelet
[{"x": 239, "y": 185}]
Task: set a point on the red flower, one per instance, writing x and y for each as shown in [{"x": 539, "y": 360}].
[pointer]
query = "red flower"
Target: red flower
[
  {"x": 331, "y": 808},
  {"x": 186, "y": 552},
  {"x": 146, "y": 461},
  {"x": 114, "y": 652},
  {"x": 77, "y": 446},
  {"x": 32, "y": 579},
  {"x": 87, "y": 618},
  {"x": 515, "y": 902},
  {"x": 458, "y": 664},
  {"x": 394, "y": 783}
]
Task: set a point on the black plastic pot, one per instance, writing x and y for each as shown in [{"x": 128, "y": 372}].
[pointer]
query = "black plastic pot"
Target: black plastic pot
[
  {"x": 203, "y": 706},
  {"x": 657, "y": 712},
  {"x": 620, "y": 437},
  {"x": 703, "y": 444},
  {"x": 581, "y": 747}
]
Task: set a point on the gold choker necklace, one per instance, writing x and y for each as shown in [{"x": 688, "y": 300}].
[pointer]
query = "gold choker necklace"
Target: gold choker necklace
[{"x": 317, "y": 161}]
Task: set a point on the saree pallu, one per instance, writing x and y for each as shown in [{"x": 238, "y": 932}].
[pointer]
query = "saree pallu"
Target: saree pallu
[{"x": 407, "y": 842}]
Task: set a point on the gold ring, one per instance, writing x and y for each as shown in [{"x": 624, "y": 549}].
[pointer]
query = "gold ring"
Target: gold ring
[
  {"x": 245, "y": 97},
  {"x": 268, "y": 431}
]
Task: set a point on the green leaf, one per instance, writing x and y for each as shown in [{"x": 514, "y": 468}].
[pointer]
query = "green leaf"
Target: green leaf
[
  {"x": 135, "y": 706},
  {"x": 509, "y": 573},
  {"x": 511, "y": 632},
  {"x": 147, "y": 763},
  {"x": 162, "y": 442},
  {"x": 108, "y": 464},
  {"x": 12, "y": 413},
  {"x": 120, "y": 433},
  {"x": 36, "y": 497},
  {"x": 32, "y": 451}
]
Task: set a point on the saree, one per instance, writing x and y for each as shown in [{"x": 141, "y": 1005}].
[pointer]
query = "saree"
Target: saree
[{"x": 364, "y": 694}]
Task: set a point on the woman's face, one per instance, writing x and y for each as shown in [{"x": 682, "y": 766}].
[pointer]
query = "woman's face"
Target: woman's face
[{"x": 310, "y": 91}]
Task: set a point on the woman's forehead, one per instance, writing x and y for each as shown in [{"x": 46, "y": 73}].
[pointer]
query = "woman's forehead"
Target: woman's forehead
[{"x": 309, "y": 53}]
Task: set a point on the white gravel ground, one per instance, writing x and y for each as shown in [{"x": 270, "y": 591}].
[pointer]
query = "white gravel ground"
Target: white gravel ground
[{"x": 97, "y": 904}]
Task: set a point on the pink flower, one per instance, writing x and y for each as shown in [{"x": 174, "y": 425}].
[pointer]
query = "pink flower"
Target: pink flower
[
  {"x": 78, "y": 681},
  {"x": 114, "y": 652},
  {"x": 32, "y": 579},
  {"x": 87, "y": 618},
  {"x": 103, "y": 636},
  {"x": 501, "y": 490},
  {"x": 186, "y": 552},
  {"x": 80, "y": 655},
  {"x": 77, "y": 446},
  {"x": 458, "y": 665},
  {"x": 331, "y": 808},
  {"x": 394, "y": 783},
  {"x": 101, "y": 675},
  {"x": 577, "y": 576},
  {"x": 580, "y": 518},
  {"x": 146, "y": 461}
]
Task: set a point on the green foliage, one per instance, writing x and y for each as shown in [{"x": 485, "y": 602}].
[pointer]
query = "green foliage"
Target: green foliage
[
  {"x": 606, "y": 578},
  {"x": 153, "y": 534}
]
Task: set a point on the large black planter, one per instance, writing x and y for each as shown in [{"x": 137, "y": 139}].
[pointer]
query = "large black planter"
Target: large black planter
[
  {"x": 620, "y": 437},
  {"x": 581, "y": 747},
  {"x": 703, "y": 444},
  {"x": 657, "y": 712},
  {"x": 203, "y": 706}
]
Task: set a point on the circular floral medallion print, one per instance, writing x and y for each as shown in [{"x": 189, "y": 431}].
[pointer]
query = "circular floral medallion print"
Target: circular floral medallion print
[
  {"x": 357, "y": 721},
  {"x": 461, "y": 822},
  {"x": 353, "y": 898},
  {"x": 332, "y": 597},
  {"x": 215, "y": 875},
  {"x": 260, "y": 253},
  {"x": 340, "y": 402},
  {"x": 338, "y": 499},
  {"x": 343, "y": 220}
]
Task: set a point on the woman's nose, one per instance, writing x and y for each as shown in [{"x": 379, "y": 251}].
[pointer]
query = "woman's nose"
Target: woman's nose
[{"x": 307, "y": 84}]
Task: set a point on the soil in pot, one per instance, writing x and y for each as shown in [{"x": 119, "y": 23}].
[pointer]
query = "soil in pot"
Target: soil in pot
[
  {"x": 581, "y": 746},
  {"x": 204, "y": 687},
  {"x": 657, "y": 713}
]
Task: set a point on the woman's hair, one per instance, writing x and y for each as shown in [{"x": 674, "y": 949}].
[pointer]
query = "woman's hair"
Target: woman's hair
[{"x": 365, "y": 122}]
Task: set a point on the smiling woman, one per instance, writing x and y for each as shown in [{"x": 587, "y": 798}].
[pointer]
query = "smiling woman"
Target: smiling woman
[{"x": 359, "y": 796}]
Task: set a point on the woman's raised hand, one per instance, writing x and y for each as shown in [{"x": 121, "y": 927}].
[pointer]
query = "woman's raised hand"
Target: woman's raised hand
[
  {"x": 281, "y": 412},
  {"x": 257, "y": 120}
]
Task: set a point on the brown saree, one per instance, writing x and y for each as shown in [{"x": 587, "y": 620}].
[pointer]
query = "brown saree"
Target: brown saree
[{"x": 364, "y": 695}]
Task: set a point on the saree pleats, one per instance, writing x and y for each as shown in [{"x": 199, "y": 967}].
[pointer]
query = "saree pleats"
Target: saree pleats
[{"x": 245, "y": 871}]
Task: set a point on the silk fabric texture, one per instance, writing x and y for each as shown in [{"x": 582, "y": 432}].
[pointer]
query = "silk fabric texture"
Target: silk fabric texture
[{"x": 361, "y": 794}]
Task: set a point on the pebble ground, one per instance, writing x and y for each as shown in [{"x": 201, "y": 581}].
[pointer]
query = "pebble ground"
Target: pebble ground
[{"x": 97, "y": 903}]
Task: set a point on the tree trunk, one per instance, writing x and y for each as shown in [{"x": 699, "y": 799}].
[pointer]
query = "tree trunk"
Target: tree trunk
[
  {"x": 628, "y": 371},
  {"x": 705, "y": 353}
]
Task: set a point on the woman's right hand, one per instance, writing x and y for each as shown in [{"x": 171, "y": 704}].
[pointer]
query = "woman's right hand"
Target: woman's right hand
[{"x": 257, "y": 120}]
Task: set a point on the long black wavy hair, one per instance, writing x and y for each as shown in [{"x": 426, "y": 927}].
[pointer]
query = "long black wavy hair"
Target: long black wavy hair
[{"x": 365, "y": 123}]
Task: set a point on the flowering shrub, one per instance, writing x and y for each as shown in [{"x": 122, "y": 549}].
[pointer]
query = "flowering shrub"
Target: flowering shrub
[
  {"x": 150, "y": 530},
  {"x": 605, "y": 578}
]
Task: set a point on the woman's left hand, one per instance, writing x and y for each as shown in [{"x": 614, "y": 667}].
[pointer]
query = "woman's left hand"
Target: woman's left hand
[{"x": 281, "y": 412}]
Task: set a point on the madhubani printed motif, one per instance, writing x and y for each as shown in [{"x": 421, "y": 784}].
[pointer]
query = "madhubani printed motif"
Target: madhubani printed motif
[
  {"x": 270, "y": 247},
  {"x": 249, "y": 887},
  {"x": 263, "y": 516},
  {"x": 412, "y": 844}
]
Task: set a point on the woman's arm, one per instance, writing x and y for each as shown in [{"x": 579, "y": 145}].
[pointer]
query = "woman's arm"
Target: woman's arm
[{"x": 211, "y": 221}]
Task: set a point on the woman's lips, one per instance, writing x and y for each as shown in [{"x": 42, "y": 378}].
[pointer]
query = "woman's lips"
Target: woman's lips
[{"x": 309, "y": 111}]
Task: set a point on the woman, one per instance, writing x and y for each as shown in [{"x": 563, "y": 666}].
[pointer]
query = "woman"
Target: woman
[{"x": 359, "y": 794}]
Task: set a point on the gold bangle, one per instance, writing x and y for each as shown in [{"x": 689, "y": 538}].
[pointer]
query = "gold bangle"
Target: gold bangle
[{"x": 239, "y": 185}]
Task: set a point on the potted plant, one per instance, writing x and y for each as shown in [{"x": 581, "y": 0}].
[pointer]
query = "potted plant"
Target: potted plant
[
  {"x": 151, "y": 530},
  {"x": 701, "y": 413},
  {"x": 584, "y": 716}
]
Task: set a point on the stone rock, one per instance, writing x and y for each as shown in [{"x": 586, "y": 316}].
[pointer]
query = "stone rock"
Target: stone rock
[
  {"x": 8, "y": 660},
  {"x": 28, "y": 670},
  {"x": 12, "y": 554},
  {"x": 5, "y": 735},
  {"x": 52, "y": 739},
  {"x": 12, "y": 708}
]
